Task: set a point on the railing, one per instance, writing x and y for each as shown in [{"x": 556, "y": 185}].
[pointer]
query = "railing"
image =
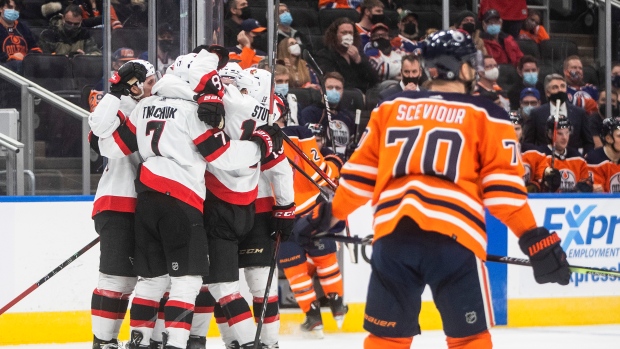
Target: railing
[
  {"x": 28, "y": 91},
  {"x": 14, "y": 165}
]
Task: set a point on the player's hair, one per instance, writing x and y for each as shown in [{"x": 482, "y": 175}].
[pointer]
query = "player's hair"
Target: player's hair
[
  {"x": 334, "y": 75},
  {"x": 527, "y": 59},
  {"x": 552, "y": 77},
  {"x": 74, "y": 9},
  {"x": 331, "y": 34},
  {"x": 411, "y": 58},
  {"x": 568, "y": 59}
]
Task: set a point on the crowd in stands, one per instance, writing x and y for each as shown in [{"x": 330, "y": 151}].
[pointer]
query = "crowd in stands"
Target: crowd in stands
[{"x": 367, "y": 50}]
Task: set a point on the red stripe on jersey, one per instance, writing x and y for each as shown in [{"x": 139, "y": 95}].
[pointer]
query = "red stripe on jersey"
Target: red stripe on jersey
[
  {"x": 203, "y": 310},
  {"x": 178, "y": 324},
  {"x": 121, "y": 144},
  {"x": 122, "y": 117},
  {"x": 179, "y": 304},
  {"x": 264, "y": 204},
  {"x": 239, "y": 318},
  {"x": 146, "y": 302},
  {"x": 114, "y": 203},
  {"x": 90, "y": 136},
  {"x": 227, "y": 299},
  {"x": 223, "y": 193},
  {"x": 270, "y": 319},
  {"x": 203, "y": 82},
  {"x": 170, "y": 187},
  {"x": 271, "y": 299},
  {"x": 220, "y": 320},
  {"x": 108, "y": 294},
  {"x": 271, "y": 163},
  {"x": 140, "y": 323},
  {"x": 104, "y": 314}
]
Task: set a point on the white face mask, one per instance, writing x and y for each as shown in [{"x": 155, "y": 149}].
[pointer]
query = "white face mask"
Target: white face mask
[
  {"x": 492, "y": 74},
  {"x": 347, "y": 40},
  {"x": 295, "y": 49}
]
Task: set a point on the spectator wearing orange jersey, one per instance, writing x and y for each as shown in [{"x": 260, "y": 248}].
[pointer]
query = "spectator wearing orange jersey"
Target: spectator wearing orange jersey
[{"x": 244, "y": 52}]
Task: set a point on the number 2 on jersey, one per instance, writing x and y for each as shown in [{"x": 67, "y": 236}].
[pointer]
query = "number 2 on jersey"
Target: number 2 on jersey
[
  {"x": 157, "y": 127},
  {"x": 438, "y": 144}
]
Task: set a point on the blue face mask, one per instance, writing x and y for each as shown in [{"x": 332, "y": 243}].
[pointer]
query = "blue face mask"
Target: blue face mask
[
  {"x": 530, "y": 78},
  {"x": 528, "y": 109},
  {"x": 286, "y": 19},
  {"x": 11, "y": 15},
  {"x": 281, "y": 89},
  {"x": 333, "y": 96},
  {"x": 493, "y": 29}
]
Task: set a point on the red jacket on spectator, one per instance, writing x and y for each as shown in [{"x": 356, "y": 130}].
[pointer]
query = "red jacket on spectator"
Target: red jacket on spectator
[
  {"x": 509, "y": 10},
  {"x": 505, "y": 49}
]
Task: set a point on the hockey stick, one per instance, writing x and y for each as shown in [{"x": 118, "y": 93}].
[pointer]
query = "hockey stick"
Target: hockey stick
[
  {"x": 556, "y": 118},
  {"x": 307, "y": 176},
  {"x": 314, "y": 166},
  {"x": 272, "y": 269},
  {"x": 491, "y": 258},
  {"x": 272, "y": 10},
  {"x": 48, "y": 276}
]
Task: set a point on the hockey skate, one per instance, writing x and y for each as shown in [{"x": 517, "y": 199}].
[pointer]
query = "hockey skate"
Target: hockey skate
[
  {"x": 134, "y": 341},
  {"x": 272, "y": 346},
  {"x": 154, "y": 345},
  {"x": 101, "y": 344},
  {"x": 235, "y": 345},
  {"x": 313, "y": 325},
  {"x": 196, "y": 342},
  {"x": 339, "y": 309}
]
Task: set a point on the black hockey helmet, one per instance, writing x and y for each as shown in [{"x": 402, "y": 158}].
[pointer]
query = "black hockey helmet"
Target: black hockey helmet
[
  {"x": 563, "y": 122},
  {"x": 316, "y": 129},
  {"x": 516, "y": 117},
  {"x": 608, "y": 127},
  {"x": 446, "y": 51}
]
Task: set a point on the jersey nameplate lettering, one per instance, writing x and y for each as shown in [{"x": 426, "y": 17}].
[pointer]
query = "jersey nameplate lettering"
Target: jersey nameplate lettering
[
  {"x": 158, "y": 112},
  {"x": 260, "y": 113},
  {"x": 430, "y": 111}
]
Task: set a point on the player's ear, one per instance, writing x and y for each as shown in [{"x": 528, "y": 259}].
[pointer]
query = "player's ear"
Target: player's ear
[{"x": 467, "y": 73}]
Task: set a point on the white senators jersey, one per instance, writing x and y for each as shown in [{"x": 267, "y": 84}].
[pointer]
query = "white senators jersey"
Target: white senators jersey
[{"x": 115, "y": 191}]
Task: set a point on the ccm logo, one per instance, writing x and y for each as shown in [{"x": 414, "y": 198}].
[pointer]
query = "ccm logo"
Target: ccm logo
[
  {"x": 284, "y": 214},
  {"x": 251, "y": 251}
]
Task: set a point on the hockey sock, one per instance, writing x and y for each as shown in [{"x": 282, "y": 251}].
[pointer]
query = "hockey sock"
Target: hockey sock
[
  {"x": 109, "y": 305},
  {"x": 203, "y": 311},
  {"x": 376, "y": 342},
  {"x": 239, "y": 317},
  {"x": 179, "y": 309},
  {"x": 160, "y": 324},
  {"x": 145, "y": 305},
  {"x": 271, "y": 322},
  {"x": 478, "y": 341},
  {"x": 301, "y": 285},
  {"x": 222, "y": 324},
  {"x": 329, "y": 273}
]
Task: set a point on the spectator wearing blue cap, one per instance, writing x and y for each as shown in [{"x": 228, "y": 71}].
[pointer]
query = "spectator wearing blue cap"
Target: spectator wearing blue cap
[
  {"x": 245, "y": 52},
  {"x": 528, "y": 100},
  {"x": 528, "y": 71}
]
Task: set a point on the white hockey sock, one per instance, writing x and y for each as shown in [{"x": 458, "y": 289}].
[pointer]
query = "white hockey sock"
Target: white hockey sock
[
  {"x": 203, "y": 312},
  {"x": 145, "y": 305},
  {"x": 179, "y": 309}
]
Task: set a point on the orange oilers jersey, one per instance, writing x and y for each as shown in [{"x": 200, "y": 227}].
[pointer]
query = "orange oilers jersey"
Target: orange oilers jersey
[
  {"x": 533, "y": 157},
  {"x": 571, "y": 165},
  {"x": 439, "y": 158},
  {"x": 354, "y": 4},
  {"x": 306, "y": 193},
  {"x": 604, "y": 172}
]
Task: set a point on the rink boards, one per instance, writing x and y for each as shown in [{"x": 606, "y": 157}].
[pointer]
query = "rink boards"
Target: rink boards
[{"x": 39, "y": 233}]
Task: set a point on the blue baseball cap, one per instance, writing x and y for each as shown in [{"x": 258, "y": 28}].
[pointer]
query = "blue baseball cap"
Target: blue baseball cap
[{"x": 530, "y": 91}]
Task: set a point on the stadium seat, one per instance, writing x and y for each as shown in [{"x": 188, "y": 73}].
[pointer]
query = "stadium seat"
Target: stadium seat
[
  {"x": 52, "y": 72},
  {"x": 529, "y": 47},
  {"x": 300, "y": 4},
  {"x": 590, "y": 75},
  {"x": 352, "y": 99},
  {"x": 373, "y": 97},
  {"x": 556, "y": 50},
  {"x": 328, "y": 16},
  {"x": 316, "y": 43},
  {"x": 508, "y": 76},
  {"x": 428, "y": 19},
  {"x": 306, "y": 96},
  {"x": 97, "y": 34},
  {"x": 306, "y": 20},
  {"x": 87, "y": 70},
  {"x": 134, "y": 38},
  {"x": 544, "y": 70},
  {"x": 259, "y": 14}
]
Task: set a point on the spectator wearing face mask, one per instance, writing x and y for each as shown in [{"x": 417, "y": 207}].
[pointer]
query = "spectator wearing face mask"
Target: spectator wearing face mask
[
  {"x": 371, "y": 13},
  {"x": 67, "y": 36},
  {"x": 512, "y": 12},
  {"x": 343, "y": 125},
  {"x": 528, "y": 71},
  {"x": 466, "y": 21},
  {"x": 500, "y": 45},
  {"x": 488, "y": 81},
  {"x": 411, "y": 76},
  {"x": 529, "y": 99},
  {"x": 532, "y": 29},
  {"x": 341, "y": 55},
  {"x": 381, "y": 55},
  {"x": 15, "y": 37},
  {"x": 596, "y": 118},
  {"x": 354, "y": 4},
  {"x": 166, "y": 50},
  {"x": 238, "y": 11},
  {"x": 408, "y": 33},
  {"x": 245, "y": 51},
  {"x": 281, "y": 79},
  {"x": 579, "y": 93},
  {"x": 300, "y": 74},
  {"x": 285, "y": 30},
  {"x": 615, "y": 75}
]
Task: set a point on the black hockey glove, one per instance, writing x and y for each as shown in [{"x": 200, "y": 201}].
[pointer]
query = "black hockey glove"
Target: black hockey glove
[
  {"x": 211, "y": 110},
  {"x": 268, "y": 138},
  {"x": 127, "y": 75},
  {"x": 583, "y": 187},
  {"x": 546, "y": 255},
  {"x": 283, "y": 221},
  {"x": 313, "y": 223},
  {"x": 552, "y": 179}
]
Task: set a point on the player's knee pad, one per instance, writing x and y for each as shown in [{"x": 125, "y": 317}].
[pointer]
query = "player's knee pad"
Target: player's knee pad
[
  {"x": 121, "y": 284},
  {"x": 152, "y": 288},
  {"x": 223, "y": 289},
  {"x": 478, "y": 341},
  {"x": 256, "y": 277},
  {"x": 376, "y": 342}
]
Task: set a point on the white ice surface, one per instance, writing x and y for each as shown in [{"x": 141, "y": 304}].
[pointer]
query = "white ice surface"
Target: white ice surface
[{"x": 577, "y": 337}]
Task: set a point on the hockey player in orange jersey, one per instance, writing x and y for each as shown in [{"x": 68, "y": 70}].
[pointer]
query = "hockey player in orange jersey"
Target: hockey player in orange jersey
[
  {"x": 603, "y": 161},
  {"x": 568, "y": 172},
  {"x": 430, "y": 166}
]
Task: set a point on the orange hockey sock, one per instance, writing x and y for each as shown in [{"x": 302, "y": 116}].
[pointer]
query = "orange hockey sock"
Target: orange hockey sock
[
  {"x": 479, "y": 341},
  {"x": 301, "y": 285},
  {"x": 376, "y": 342},
  {"x": 329, "y": 273}
]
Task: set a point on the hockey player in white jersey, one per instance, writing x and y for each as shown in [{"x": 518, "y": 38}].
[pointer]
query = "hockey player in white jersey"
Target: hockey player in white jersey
[
  {"x": 171, "y": 245},
  {"x": 115, "y": 202}
]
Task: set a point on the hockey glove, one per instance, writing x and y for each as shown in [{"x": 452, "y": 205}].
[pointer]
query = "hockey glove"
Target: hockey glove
[
  {"x": 268, "y": 138},
  {"x": 313, "y": 223},
  {"x": 583, "y": 187},
  {"x": 552, "y": 179},
  {"x": 283, "y": 221},
  {"x": 546, "y": 255},
  {"x": 211, "y": 110},
  {"x": 222, "y": 53},
  {"x": 127, "y": 75}
]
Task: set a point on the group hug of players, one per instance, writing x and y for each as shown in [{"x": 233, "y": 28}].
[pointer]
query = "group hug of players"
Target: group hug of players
[{"x": 197, "y": 185}]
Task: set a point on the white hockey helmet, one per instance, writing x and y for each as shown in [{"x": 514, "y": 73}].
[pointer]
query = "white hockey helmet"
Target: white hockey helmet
[
  {"x": 180, "y": 67},
  {"x": 257, "y": 82},
  {"x": 231, "y": 70}
]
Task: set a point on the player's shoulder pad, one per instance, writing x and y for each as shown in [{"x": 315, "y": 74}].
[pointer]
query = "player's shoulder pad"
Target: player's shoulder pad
[
  {"x": 298, "y": 131},
  {"x": 596, "y": 156},
  {"x": 492, "y": 110}
]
